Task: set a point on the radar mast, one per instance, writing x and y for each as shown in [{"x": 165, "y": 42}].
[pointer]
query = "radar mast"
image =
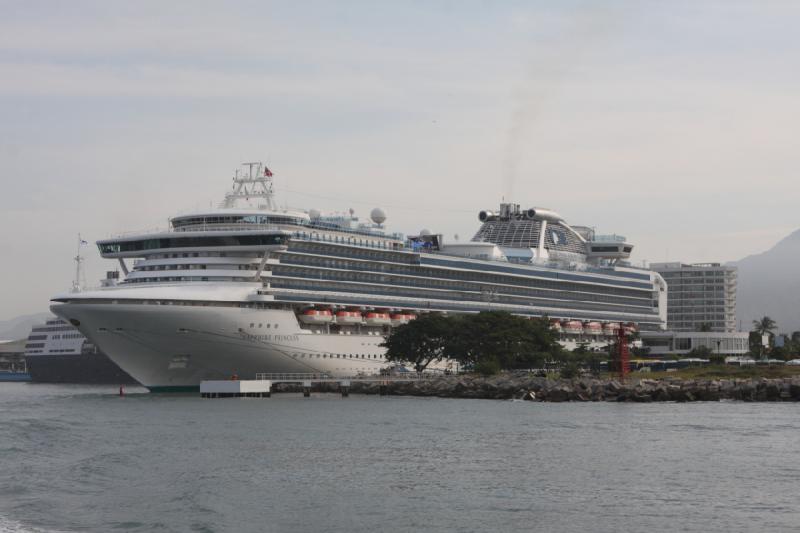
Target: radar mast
[{"x": 253, "y": 181}]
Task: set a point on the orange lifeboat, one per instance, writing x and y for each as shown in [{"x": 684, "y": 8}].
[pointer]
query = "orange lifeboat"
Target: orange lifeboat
[
  {"x": 377, "y": 319},
  {"x": 610, "y": 329},
  {"x": 316, "y": 316},
  {"x": 593, "y": 328},
  {"x": 348, "y": 317},
  {"x": 398, "y": 319},
  {"x": 573, "y": 327}
]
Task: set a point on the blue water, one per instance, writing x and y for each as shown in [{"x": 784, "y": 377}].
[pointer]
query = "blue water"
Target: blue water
[{"x": 78, "y": 458}]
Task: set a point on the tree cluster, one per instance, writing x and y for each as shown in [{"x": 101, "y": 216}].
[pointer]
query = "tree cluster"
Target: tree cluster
[
  {"x": 767, "y": 326},
  {"x": 485, "y": 342}
]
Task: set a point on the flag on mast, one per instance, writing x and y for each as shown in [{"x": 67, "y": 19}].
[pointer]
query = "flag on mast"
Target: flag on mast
[{"x": 267, "y": 172}]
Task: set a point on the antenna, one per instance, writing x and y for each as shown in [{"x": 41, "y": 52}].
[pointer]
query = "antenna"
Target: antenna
[{"x": 80, "y": 277}]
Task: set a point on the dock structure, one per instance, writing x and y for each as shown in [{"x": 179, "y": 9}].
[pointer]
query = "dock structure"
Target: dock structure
[
  {"x": 261, "y": 387},
  {"x": 234, "y": 388}
]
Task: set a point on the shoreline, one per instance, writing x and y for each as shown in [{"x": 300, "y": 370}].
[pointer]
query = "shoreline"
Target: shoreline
[{"x": 542, "y": 389}]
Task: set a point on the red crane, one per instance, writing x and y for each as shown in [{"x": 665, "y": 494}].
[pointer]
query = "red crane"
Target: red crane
[{"x": 623, "y": 355}]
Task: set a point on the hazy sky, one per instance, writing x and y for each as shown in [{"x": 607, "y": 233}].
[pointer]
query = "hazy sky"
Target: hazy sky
[{"x": 673, "y": 123}]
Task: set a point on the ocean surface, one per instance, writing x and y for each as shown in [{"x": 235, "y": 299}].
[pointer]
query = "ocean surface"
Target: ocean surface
[{"x": 77, "y": 458}]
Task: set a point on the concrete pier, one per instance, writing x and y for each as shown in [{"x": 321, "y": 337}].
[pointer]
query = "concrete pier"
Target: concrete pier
[
  {"x": 236, "y": 389},
  {"x": 261, "y": 387}
]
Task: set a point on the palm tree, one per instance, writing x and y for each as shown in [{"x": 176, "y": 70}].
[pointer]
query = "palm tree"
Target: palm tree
[{"x": 765, "y": 326}]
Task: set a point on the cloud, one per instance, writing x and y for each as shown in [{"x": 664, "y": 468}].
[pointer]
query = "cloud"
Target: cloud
[{"x": 673, "y": 123}]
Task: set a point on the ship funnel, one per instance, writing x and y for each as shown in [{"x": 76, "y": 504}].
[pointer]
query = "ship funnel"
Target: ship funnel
[{"x": 483, "y": 216}]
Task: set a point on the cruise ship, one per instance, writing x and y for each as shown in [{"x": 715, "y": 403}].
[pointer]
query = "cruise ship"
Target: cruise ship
[
  {"x": 56, "y": 352},
  {"x": 249, "y": 287}
]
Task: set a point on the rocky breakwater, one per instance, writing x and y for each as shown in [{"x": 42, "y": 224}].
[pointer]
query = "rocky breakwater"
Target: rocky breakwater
[{"x": 525, "y": 386}]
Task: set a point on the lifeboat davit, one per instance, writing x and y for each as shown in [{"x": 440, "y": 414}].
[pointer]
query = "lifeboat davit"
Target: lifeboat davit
[
  {"x": 593, "y": 328},
  {"x": 348, "y": 317},
  {"x": 630, "y": 328},
  {"x": 378, "y": 319},
  {"x": 610, "y": 328},
  {"x": 573, "y": 327},
  {"x": 316, "y": 316}
]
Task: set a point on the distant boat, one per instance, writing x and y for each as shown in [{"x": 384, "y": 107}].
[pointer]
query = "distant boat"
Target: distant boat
[
  {"x": 9, "y": 375},
  {"x": 56, "y": 352},
  {"x": 12, "y": 361}
]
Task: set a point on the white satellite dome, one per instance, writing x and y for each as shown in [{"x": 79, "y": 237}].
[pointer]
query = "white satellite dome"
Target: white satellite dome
[
  {"x": 424, "y": 232},
  {"x": 314, "y": 214},
  {"x": 378, "y": 215}
]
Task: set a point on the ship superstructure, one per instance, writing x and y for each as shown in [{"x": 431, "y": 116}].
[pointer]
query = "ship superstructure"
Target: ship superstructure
[{"x": 250, "y": 287}]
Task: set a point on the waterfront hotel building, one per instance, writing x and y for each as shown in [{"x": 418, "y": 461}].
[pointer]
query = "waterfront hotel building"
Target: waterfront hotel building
[{"x": 699, "y": 294}]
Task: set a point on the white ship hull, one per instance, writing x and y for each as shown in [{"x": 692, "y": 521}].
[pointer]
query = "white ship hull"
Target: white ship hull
[{"x": 169, "y": 348}]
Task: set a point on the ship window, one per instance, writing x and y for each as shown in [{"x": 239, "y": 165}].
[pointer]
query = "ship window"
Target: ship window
[{"x": 252, "y": 324}]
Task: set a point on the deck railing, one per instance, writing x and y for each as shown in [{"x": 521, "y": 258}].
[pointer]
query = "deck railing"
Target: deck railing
[{"x": 310, "y": 376}]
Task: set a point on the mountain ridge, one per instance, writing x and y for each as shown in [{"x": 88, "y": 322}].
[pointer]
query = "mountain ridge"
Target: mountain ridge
[
  {"x": 19, "y": 327},
  {"x": 769, "y": 285}
]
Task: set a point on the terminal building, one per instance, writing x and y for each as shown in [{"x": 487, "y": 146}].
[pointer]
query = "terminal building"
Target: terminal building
[
  {"x": 701, "y": 311},
  {"x": 682, "y": 343}
]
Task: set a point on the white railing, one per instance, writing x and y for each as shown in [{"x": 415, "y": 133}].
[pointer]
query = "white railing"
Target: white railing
[
  {"x": 289, "y": 376},
  {"x": 301, "y": 376}
]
